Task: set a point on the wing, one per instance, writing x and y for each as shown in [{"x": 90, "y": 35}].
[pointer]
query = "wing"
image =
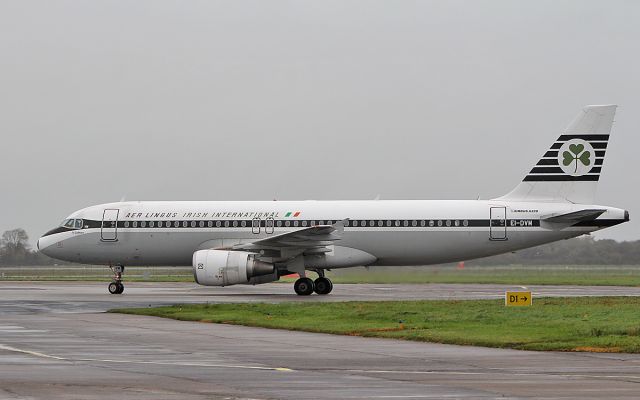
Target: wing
[{"x": 315, "y": 238}]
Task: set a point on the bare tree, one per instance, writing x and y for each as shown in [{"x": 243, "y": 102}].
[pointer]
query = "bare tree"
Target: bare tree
[{"x": 14, "y": 244}]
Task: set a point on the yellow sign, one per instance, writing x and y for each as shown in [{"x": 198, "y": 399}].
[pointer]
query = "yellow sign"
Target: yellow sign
[{"x": 517, "y": 299}]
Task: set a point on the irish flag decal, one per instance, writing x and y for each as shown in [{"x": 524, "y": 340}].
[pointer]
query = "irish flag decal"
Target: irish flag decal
[{"x": 292, "y": 214}]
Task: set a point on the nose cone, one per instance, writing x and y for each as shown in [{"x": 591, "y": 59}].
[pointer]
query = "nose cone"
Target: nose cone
[{"x": 45, "y": 245}]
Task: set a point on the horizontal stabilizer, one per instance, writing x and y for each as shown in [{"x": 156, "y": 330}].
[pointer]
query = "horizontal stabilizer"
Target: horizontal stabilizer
[{"x": 574, "y": 217}]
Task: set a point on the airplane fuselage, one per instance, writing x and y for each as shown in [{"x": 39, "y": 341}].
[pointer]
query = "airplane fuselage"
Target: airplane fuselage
[{"x": 386, "y": 232}]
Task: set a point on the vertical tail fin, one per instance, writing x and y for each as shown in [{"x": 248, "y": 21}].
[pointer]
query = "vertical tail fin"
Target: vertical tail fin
[{"x": 569, "y": 171}]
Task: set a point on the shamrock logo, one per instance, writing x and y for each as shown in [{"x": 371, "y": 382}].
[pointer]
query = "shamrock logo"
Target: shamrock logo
[{"x": 576, "y": 154}]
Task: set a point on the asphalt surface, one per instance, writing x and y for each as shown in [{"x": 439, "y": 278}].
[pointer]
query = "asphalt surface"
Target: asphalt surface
[{"x": 56, "y": 342}]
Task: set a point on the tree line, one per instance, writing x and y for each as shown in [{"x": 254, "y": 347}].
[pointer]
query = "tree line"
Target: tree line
[
  {"x": 585, "y": 250},
  {"x": 15, "y": 250}
]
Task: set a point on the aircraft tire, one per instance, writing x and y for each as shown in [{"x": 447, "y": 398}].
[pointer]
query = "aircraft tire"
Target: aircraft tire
[
  {"x": 120, "y": 288},
  {"x": 323, "y": 285},
  {"x": 303, "y": 286},
  {"x": 114, "y": 288}
]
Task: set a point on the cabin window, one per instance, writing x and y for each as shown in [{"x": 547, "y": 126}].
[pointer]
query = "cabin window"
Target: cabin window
[
  {"x": 243, "y": 224},
  {"x": 295, "y": 223},
  {"x": 193, "y": 224},
  {"x": 397, "y": 222},
  {"x": 465, "y": 223},
  {"x": 126, "y": 224},
  {"x": 414, "y": 223},
  {"x": 287, "y": 223},
  {"x": 439, "y": 222},
  {"x": 448, "y": 222},
  {"x": 423, "y": 222},
  {"x": 235, "y": 224},
  {"x": 135, "y": 224},
  {"x": 456, "y": 223},
  {"x": 304, "y": 223},
  {"x": 226, "y": 224},
  {"x": 143, "y": 224}
]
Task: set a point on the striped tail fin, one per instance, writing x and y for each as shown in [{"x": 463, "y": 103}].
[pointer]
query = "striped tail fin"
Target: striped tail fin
[{"x": 569, "y": 171}]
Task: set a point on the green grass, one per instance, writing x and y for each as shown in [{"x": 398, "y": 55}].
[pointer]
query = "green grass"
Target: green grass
[
  {"x": 508, "y": 275},
  {"x": 95, "y": 273},
  {"x": 607, "y": 324}
]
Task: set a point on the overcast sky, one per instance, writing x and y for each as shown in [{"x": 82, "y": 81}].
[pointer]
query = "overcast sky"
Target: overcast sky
[{"x": 256, "y": 100}]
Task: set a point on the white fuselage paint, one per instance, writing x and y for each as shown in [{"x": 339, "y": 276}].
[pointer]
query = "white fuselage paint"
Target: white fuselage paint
[{"x": 460, "y": 229}]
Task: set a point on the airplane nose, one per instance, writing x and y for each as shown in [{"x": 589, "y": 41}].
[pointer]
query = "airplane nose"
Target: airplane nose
[{"x": 44, "y": 245}]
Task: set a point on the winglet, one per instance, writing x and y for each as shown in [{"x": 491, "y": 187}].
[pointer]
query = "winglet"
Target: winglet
[{"x": 339, "y": 225}]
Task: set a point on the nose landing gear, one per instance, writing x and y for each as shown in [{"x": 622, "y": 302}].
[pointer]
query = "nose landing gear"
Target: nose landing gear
[{"x": 116, "y": 286}]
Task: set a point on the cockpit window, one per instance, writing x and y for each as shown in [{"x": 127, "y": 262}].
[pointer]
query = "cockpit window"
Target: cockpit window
[{"x": 72, "y": 223}]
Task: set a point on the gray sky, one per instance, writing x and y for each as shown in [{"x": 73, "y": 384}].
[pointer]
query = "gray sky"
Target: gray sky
[{"x": 249, "y": 100}]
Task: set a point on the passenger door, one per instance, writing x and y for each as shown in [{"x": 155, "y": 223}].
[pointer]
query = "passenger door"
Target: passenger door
[
  {"x": 498, "y": 223},
  {"x": 109, "y": 230}
]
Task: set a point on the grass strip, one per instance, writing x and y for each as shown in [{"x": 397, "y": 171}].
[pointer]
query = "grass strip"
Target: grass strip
[{"x": 597, "y": 324}]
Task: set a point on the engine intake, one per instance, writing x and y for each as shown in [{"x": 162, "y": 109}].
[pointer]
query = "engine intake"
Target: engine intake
[{"x": 224, "y": 268}]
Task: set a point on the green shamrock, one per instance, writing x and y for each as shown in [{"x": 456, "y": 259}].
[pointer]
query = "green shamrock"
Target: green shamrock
[{"x": 575, "y": 155}]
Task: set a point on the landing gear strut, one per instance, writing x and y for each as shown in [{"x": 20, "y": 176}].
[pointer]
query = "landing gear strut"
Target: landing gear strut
[{"x": 116, "y": 286}]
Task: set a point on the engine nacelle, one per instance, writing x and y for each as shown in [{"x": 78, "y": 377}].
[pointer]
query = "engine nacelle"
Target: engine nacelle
[{"x": 224, "y": 268}]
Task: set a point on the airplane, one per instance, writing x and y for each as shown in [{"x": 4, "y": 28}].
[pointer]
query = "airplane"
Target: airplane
[{"x": 255, "y": 242}]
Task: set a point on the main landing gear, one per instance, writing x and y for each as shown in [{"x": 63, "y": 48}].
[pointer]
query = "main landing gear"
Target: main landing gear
[
  {"x": 305, "y": 286},
  {"x": 116, "y": 286}
]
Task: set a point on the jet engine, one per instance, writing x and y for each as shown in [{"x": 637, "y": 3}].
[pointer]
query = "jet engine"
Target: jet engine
[{"x": 224, "y": 268}]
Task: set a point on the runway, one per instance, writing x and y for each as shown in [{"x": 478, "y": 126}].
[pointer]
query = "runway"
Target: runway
[{"x": 57, "y": 343}]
